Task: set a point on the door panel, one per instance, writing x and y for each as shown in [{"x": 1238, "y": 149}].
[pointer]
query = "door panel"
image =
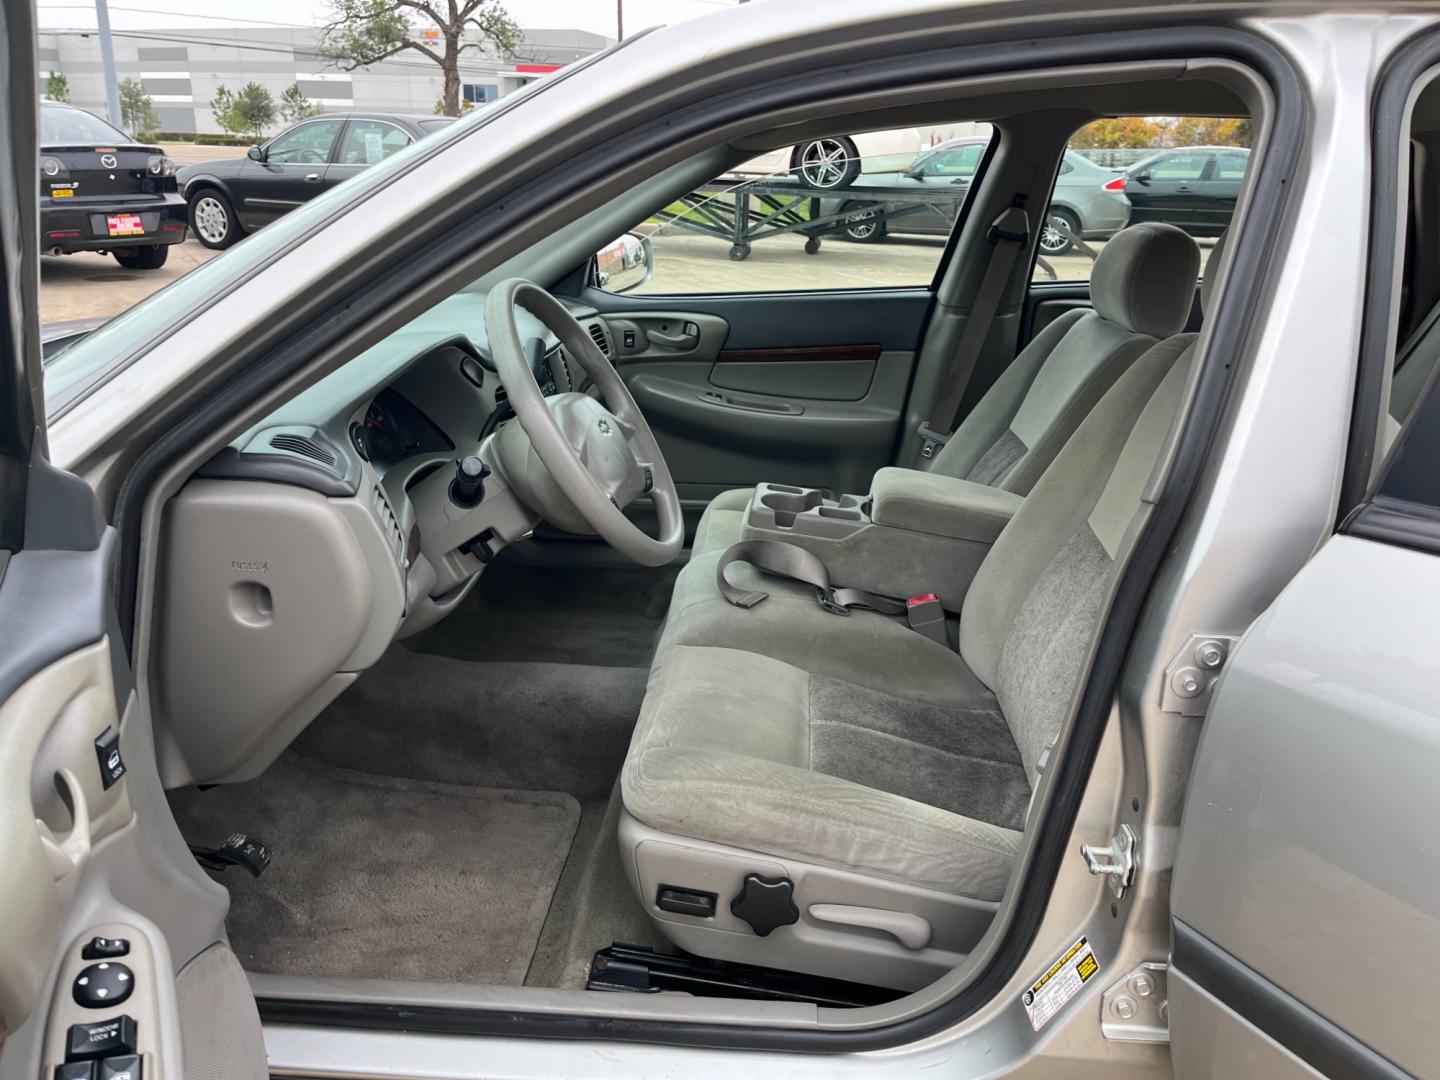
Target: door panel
[
  {"x": 1306, "y": 879},
  {"x": 802, "y": 388},
  {"x": 88, "y": 848}
]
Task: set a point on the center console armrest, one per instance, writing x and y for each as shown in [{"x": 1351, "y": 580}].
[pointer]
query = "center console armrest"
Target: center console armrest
[{"x": 940, "y": 505}]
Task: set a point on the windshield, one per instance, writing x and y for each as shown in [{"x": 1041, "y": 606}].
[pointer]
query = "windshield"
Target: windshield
[
  {"x": 62, "y": 126},
  {"x": 90, "y": 361}
]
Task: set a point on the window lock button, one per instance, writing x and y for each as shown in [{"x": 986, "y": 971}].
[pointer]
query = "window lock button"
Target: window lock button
[
  {"x": 107, "y": 1038},
  {"x": 107, "y": 750}
]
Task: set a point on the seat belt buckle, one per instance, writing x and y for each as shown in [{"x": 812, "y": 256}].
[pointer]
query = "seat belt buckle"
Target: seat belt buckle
[
  {"x": 926, "y": 616},
  {"x": 828, "y": 602},
  {"x": 931, "y": 441}
]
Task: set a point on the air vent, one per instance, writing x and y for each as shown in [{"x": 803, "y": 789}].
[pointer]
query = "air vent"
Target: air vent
[
  {"x": 303, "y": 446},
  {"x": 597, "y": 334}
]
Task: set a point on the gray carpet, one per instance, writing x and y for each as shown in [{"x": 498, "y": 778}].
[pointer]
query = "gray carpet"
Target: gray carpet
[
  {"x": 482, "y": 805},
  {"x": 383, "y": 877},
  {"x": 511, "y": 724},
  {"x": 590, "y": 615}
]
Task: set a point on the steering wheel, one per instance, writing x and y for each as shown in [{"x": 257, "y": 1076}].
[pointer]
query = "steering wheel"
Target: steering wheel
[{"x": 574, "y": 459}]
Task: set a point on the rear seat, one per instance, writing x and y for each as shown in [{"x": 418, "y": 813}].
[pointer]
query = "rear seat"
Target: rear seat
[{"x": 1142, "y": 288}]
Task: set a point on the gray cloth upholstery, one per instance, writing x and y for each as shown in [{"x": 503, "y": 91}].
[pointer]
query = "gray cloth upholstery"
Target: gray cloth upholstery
[
  {"x": 1144, "y": 279},
  {"x": 940, "y": 505},
  {"x": 723, "y": 752},
  {"x": 1142, "y": 287},
  {"x": 857, "y": 743}
]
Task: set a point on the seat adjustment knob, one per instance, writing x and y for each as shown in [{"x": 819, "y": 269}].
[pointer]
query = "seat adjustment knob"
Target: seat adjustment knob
[{"x": 766, "y": 903}]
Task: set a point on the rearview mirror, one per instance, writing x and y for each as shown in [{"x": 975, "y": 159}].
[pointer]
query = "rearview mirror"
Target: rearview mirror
[
  {"x": 625, "y": 264},
  {"x": 255, "y": 154}
]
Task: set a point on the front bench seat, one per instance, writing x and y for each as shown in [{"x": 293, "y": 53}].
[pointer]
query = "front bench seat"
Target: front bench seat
[
  {"x": 1141, "y": 287},
  {"x": 871, "y": 767}
]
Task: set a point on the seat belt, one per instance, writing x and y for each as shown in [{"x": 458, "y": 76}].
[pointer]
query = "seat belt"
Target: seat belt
[
  {"x": 1010, "y": 235},
  {"x": 795, "y": 562}
]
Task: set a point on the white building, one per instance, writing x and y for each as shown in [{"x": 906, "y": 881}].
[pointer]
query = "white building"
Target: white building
[{"x": 182, "y": 69}]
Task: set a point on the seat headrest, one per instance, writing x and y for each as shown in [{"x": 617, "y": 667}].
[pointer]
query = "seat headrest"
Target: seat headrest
[
  {"x": 1212, "y": 271},
  {"x": 1144, "y": 279}
]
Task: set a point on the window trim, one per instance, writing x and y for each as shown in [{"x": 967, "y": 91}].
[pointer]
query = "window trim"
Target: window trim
[{"x": 1390, "y": 118}]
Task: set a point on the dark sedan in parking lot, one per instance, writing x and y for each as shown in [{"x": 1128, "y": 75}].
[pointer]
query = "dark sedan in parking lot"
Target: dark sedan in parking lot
[
  {"x": 1193, "y": 187},
  {"x": 234, "y": 196},
  {"x": 100, "y": 190}
]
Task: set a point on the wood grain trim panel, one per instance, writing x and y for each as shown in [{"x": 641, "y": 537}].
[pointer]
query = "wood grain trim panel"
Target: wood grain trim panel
[{"x": 781, "y": 354}]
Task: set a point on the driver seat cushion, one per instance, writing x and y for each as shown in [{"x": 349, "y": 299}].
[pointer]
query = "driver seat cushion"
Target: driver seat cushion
[
  {"x": 742, "y": 749},
  {"x": 1142, "y": 286}
]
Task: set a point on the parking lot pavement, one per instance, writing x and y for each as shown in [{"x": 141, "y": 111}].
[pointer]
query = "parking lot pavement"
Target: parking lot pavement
[
  {"x": 86, "y": 285},
  {"x": 190, "y": 154}
]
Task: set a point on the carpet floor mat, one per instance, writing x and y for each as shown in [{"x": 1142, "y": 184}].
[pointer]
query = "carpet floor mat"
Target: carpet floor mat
[{"x": 384, "y": 877}]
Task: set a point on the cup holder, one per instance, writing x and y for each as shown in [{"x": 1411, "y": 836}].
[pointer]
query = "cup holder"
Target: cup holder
[{"x": 795, "y": 501}]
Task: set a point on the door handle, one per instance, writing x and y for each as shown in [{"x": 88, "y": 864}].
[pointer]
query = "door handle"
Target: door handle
[
  {"x": 313, "y": 178},
  {"x": 674, "y": 341},
  {"x": 67, "y": 854},
  {"x": 1184, "y": 189}
]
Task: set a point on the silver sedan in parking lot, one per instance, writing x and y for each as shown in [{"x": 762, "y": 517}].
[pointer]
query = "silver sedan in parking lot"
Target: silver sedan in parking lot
[{"x": 1089, "y": 201}]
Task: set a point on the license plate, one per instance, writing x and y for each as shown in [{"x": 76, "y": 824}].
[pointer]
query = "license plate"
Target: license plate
[{"x": 125, "y": 224}]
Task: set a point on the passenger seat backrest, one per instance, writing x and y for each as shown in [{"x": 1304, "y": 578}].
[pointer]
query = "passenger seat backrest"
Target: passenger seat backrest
[
  {"x": 1142, "y": 286},
  {"x": 1036, "y": 601}
]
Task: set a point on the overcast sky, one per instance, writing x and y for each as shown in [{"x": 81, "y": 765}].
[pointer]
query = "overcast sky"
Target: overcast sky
[{"x": 595, "y": 15}]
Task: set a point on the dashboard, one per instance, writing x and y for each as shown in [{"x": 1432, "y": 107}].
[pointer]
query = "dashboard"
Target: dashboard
[{"x": 303, "y": 549}]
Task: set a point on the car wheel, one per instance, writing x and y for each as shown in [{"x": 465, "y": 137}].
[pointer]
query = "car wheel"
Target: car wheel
[
  {"x": 213, "y": 220},
  {"x": 143, "y": 258},
  {"x": 826, "y": 163},
  {"x": 865, "y": 225},
  {"x": 1060, "y": 232}
]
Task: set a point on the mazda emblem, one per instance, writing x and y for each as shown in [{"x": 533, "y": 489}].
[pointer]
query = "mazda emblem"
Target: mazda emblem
[{"x": 108, "y": 160}]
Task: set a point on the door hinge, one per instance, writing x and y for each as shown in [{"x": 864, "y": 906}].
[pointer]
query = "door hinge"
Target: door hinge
[
  {"x": 1191, "y": 676},
  {"x": 1137, "y": 1007},
  {"x": 1116, "y": 860}
]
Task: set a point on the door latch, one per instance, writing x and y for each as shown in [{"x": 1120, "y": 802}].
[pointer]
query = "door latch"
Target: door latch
[{"x": 1116, "y": 860}]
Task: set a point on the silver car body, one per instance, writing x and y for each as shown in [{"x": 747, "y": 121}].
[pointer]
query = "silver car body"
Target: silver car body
[{"x": 1271, "y": 868}]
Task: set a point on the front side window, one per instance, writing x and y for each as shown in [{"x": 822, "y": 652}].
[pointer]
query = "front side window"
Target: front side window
[
  {"x": 307, "y": 144},
  {"x": 370, "y": 141},
  {"x": 879, "y": 221}
]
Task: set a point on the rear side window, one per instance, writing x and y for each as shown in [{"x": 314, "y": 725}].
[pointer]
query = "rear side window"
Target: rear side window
[
  {"x": 370, "y": 141},
  {"x": 1186, "y": 171}
]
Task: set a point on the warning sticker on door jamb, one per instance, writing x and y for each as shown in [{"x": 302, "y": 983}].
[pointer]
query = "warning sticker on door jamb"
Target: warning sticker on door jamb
[{"x": 1049, "y": 993}]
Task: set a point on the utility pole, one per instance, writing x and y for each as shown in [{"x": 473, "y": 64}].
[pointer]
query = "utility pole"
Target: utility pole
[
  {"x": 619, "y": 20},
  {"x": 107, "y": 62}
]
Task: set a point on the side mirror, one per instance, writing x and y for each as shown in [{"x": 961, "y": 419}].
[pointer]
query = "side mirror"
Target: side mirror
[
  {"x": 1142, "y": 177},
  {"x": 623, "y": 265},
  {"x": 255, "y": 154}
]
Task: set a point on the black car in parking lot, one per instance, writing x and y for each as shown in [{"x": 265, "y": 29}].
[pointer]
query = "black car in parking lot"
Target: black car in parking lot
[
  {"x": 100, "y": 190},
  {"x": 1192, "y": 187},
  {"x": 234, "y": 196}
]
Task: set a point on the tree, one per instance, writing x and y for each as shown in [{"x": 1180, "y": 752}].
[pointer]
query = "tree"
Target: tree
[
  {"x": 1115, "y": 133},
  {"x": 439, "y": 110},
  {"x": 250, "y": 111},
  {"x": 137, "y": 111},
  {"x": 294, "y": 105},
  {"x": 1206, "y": 131},
  {"x": 57, "y": 87},
  {"x": 363, "y": 32}
]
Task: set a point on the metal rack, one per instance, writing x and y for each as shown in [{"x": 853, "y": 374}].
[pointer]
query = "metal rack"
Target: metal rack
[{"x": 748, "y": 211}]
